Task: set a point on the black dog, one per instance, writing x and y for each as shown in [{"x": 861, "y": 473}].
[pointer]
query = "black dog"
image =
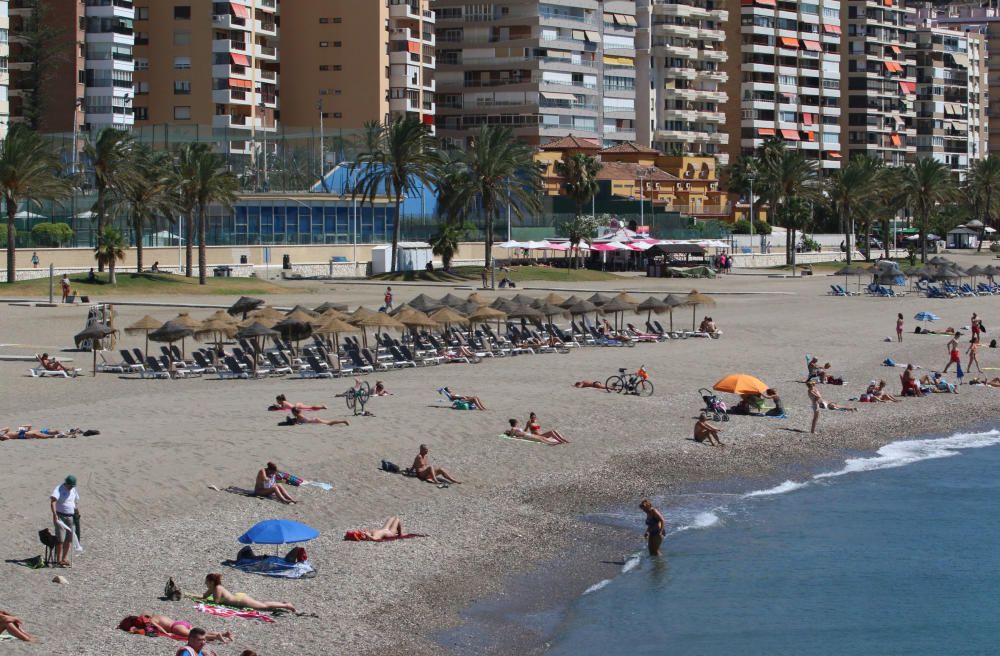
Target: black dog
[{"x": 46, "y": 538}]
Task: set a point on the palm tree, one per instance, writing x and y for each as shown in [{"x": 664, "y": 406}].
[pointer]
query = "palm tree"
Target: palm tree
[
  {"x": 147, "y": 191},
  {"x": 924, "y": 185},
  {"x": 983, "y": 180},
  {"x": 445, "y": 242},
  {"x": 579, "y": 174},
  {"x": 580, "y": 228},
  {"x": 739, "y": 174},
  {"x": 185, "y": 180},
  {"x": 398, "y": 157},
  {"x": 786, "y": 174},
  {"x": 212, "y": 183},
  {"x": 854, "y": 188},
  {"x": 110, "y": 250},
  {"x": 109, "y": 156},
  {"x": 29, "y": 169},
  {"x": 499, "y": 170}
]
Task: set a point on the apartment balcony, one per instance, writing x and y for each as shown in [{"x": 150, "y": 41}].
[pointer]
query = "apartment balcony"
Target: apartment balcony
[
  {"x": 402, "y": 9},
  {"x": 711, "y": 35},
  {"x": 674, "y": 30},
  {"x": 121, "y": 37},
  {"x": 682, "y": 11},
  {"x": 711, "y": 55},
  {"x": 405, "y": 104},
  {"x": 266, "y": 53},
  {"x": 267, "y": 28},
  {"x": 267, "y": 76},
  {"x": 668, "y": 50},
  {"x": 230, "y": 22},
  {"x": 108, "y": 9},
  {"x": 226, "y": 71},
  {"x": 223, "y": 46},
  {"x": 689, "y": 115},
  {"x": 678, "y": 73}
]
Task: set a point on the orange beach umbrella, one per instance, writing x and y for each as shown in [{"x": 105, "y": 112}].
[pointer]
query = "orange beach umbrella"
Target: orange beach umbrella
[{"x": 740, "y": 384}]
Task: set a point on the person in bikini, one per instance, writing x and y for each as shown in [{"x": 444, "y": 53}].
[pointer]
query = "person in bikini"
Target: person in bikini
[
  {"x": 516, "y": 431},
  {"x": 392, "y": 527},
  {"x": 267, "y": 484},
  {"x": 655, "y": 527},
  {"x": 422, "y": 468},
  {"x": 818, "y": 403},
  {"x": 50, "y": 364},
  {"x": 169, "y": 627},
  {"x": 474, "y": 400},
  {"x": 596, "y": 384},
  {"x": 14, "y": 625},
  {"x": 281, "y": 403},
  {"x": 707, "y": 432},
  {"x": 26, "y": 433},
  {"x": 536, "y": 429},
  {"x": 302, "y": 419},
  {"x": 219, "y": 595}
]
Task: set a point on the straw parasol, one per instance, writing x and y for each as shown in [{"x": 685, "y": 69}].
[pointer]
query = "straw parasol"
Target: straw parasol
[
  {"x": 628, "y": 298},
  {"x": 217, "y": 328},
  {"x": 522, "y": 299},
  {"x": 302, "y": 309},
  {"x": 477, "y": 298},
  {"x": 377, "y": 320},
  {"x": 448, "y": 316},
  {"x": 553, "y": 299},
  {"x": 651, "y": 305},
  {"x": 486, "y": 314},
  {"x": 245, "y": 304},
  {"x": 402, "y": 307},
  {"x": 298, "y": 314},
  {"x": 583, "y": 307},
  {"x": 694, "y": 299},
  {"x": 170, "y": 332},
  {"x": 851, "y": 270},
  {"x": 257, "y": 333},
  {"x": 264, "y": 321},
  {"x": 673, "y": 301},
  {"x": 415, "y": 319},
  {"x": 95, "y": 332},
  {"x": 333, "y": 313},
  {"x": 144, "y": 326},
  {"x": 335, "y": 326},
  {"x": 524, "y": 312},
  {"x": 361, "y": 313},
  {"x": 599, "y": 299},
  {"x": 570, "y": 302},
  {"x": 267, "y": 313},
  {"x": 502, "y": 302},
  {"x": 294, "y": 330},
  {"x": 451, "y": 300},
  {"x": 552, "y": 310},
  {"x": 186, "y": 320},
  {"x": 617, "y": 306},
  {"x": 424, "y": 303},
  {"x": 329, "y": 305}
]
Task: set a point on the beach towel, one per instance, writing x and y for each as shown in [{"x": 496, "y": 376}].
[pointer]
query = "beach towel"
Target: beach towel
[
  {"x": 296, "y": 481},
  {"x": 229, "y": 611},
  {"x": 5, "y": 636},
  {"x": 273, "y": 566},
  {"x": 357, "y": 536},
  {"x": 504, "y": 436}
]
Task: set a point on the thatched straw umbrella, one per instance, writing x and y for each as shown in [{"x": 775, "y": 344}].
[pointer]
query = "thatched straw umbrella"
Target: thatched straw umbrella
[
  {"x": 244, "y": 305},
  {"x": 651, "y": 305},
  {"x": 617, "y": 306},
  {"x": 302, "y": 309},
  {"x": 335, "y": 326},
  {"x": 376, "y": 320},
  {"x": 294, "y": 330},
  {"x": 570, "y": 302},
  {"x": 599, "y": 299},
  {"x": 628, "y": 298},
  {"x": 329, "y": 305},
  {"x": 477, "y": 298},
  {"x": 583, "y": 308},
  {"x": 264, "y": 321},
  {"x": 448, "y": 316},
  {"x": 217, "y": 328},
  {"x": 170, "y": 332},
  {"x": 298, "y": 314},
  {"x": 267, "y": 313},
  {"x": 553, "y": 299},
  {"x": 144, "y": 326},
  {"x": 694, "y": 299},
  {"x": 424, "y": 303},
  {"x": 451, "y": 300},
  {"x": 333, "y": 313},
  {"x": 522, "y": 299},
  {"x": 95, "y": 332},
  {"x": 552, "y": 310},
  {"x": 673, "y": 302},
  {"x": 257, "y": 333}
]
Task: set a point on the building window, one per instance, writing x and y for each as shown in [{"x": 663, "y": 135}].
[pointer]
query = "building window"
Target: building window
[
  {"x": 141, "y": 13},
  {"x": 182, "y": 38},
  {"x": 337, "y": 20},
  {"x": 324, "y": 44},
  {"x": 182, "y": 12},
  {"x": 337, "y": 44},
  {"x": 182, "y": 113},
  {"x": 338, "y": 115},
  {"x": 142, "y": 113},
  {"x": 182, "y": 87},
  {"x": 338, "y": 67},
  {"x": 180, "y": 63},
  {"x": 324, "y": 20}
]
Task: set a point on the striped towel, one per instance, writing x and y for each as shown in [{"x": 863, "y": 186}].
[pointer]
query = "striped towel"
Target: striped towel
[{"x": 228, "y": 611}]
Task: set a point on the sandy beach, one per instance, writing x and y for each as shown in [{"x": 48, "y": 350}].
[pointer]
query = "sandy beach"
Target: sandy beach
[{"x": 149, "y": 514}]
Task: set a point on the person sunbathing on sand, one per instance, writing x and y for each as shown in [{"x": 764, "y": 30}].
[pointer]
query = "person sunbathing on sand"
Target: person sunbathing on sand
[
  {"x": 536, "y": 429},
  {"x": 516, "y": 431},
  {"x": 704, "y": 431},
  {"x": 50, "y": 364},
  {"x": 25, "y": 433},
  {"x": 392, "y": 527},
  {"x": 13, "y": 625},
  {"x": 474, "y": 400},
  {"x": 596, "y": 384},
  {"x": 168, "y": 627},
  {"x": 380, "y": 389},
  {"x": 281, "y": 403},
  {"x": 220, "y": 595},
  {"x": 992, "y": 382},
  {"x": 267, "y": 484},
  {"x": 938, "y": 383},
  {"x": 302, "y": 419},
  {"x": 876, "y": 392}
]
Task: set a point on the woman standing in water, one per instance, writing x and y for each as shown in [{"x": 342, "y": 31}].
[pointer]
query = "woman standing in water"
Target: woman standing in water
[{"x": 655, "y": 527}]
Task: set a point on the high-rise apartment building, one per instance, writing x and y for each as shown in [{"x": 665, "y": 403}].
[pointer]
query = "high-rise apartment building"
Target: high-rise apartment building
[
  {"x": 544, "y": 69},
  {"x": 356, "y": 62},
  {"x": 4, "y": 63},
  {"x": 879, "y": 80},
  {"x": 88, "y": 76},
  {"x": 784, "y": 77},
  {"x": 201, "y": 63},
  {"x": 945, "y": 115},
  {"x": 681, "y": 97}
]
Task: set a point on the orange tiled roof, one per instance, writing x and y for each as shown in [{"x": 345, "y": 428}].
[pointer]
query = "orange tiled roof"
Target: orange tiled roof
[
  {"x": 570, "y": 142},
  {"x": 630, "y": 170},
  {"x": 631, "y": 147}
]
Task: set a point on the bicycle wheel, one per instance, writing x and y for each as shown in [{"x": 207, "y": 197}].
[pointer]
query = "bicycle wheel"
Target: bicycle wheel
[
  {"x": 351, "y": 401},
  {"x": 644, "y": 388},
  {"x": 363, "y": 392},
  {"x": 615, "y": 384}
]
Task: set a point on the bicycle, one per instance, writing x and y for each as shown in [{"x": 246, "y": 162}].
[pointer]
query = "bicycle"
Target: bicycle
[
  {"x": 637, "y": 383},
  {"x": 358, "y": 396}
]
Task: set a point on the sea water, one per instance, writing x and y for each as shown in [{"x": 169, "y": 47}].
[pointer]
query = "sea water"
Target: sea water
[{"x": 894, "y": 553}]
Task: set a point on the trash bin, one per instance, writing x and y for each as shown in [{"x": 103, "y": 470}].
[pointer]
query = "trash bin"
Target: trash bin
[
  {"x": 243, "y": 259},
  {"x": 286, "y": 261},
  {"x": 222, "y": 272}
]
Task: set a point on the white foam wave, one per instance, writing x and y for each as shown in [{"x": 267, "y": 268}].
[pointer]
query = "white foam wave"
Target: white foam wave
[
  {"x": 701, "y": 520},
  {"x": 597, "y": 586},
  {"x": 787, "y": 486},
  {"x": 631, "y": 563},
  {"x": 899, "y": 454}
]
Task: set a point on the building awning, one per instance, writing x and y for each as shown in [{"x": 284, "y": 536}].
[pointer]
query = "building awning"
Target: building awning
[
  {"x": 765, "y": 132},
  {"x": 239, "y": 60},
  {"x": 893, "y": 67},
  {"x": 239, "y": 10},
  {"x": 610, "y": 18},
  {"x": 960, "y": 59},
  {"x": 766, "y": 3},
  {"x": 579, "y": 35},
  {"x": 619, "y": 61},
  {"x": 896, "y": 50},
  {"x": 831, "y": 29},
  {"x": 895, "y": 140},
  {"x": 791, "y": 135},
  {"x": 593, "y": 37},
  {"x": 629, "y": 20},
  {"x": 833, "y": 154},
  {"x": 908, "y": 87},
  {"x": 807, "y": 118},
  {"x": 812, "y": 45},
  {"x": 236, "y": 83},
  {"x": 552, "y": 95},
  {"x": 414, "y": 47},
  {"x": 789, "y": 42}
]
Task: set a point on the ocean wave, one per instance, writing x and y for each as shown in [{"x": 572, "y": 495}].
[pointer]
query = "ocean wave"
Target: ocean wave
[
  {"x": 787, "y": 486},
  {"x": 597, "y": 586},
  {"x": 701, "y": 520},
  {"x": 631, "y": 563},
  {"x": 899, "y": 454}
]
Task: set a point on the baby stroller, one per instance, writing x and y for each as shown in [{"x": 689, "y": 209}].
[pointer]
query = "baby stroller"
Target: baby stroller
[{"x": 715, "y": 408}]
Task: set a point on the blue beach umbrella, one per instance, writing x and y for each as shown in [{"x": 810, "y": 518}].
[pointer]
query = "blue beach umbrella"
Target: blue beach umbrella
[
  {"x": 278, "y": 531},
  {"x": 926, "y": 316}
]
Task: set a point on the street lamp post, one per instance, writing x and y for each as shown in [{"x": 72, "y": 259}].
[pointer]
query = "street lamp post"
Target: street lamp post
[
  {"x": 263, "y": 109},
  {"x": 319, "y": 106},
  {"x": 750, "y": 180},
  {"x": 642, "y": 197}
]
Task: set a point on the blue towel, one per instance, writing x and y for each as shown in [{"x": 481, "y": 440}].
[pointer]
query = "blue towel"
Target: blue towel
[{"x": 273, "y": 566}]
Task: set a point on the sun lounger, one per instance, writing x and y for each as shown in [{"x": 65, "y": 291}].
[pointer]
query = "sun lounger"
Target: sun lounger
[
  {"x": 154, "y": 370},
  {"x": 232, "y": 369},
  {"x": 313, "y": 368},
  {"x": 129, "y": 361},
  {"x": 203, "y": 362},
  {"x": 41, "y": 372}
]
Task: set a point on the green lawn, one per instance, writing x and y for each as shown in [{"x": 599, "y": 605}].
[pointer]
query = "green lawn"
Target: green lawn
[{"x": 144, "y": 284}]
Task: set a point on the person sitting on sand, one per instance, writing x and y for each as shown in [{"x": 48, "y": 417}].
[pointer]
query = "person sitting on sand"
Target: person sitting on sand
[
  {"x": 196, "y": 644},
  {"x": 816, "y": 372},
  {"x": 705, "y": 431},
  {"x": 380, "y": 389},
  {"x": 909, "y": 381},
  {"x": 709, "y": 326},
  {"x": 281, "y": 403},
  {"x": 423, "y": 470},
  {"x": 163, "y": 625},
  {"x": 750, "y": 402},
  {"x": 516, "y": 431},
  {"x": 596, "y": 384},
  {"x": 474, "y": 400},
  {"x": 876, "y": 393},
  {"x": 218, "y": 594},
  {"x": 536, "y": 429},
  {"x": 50, "y": 364},
  {"x": 938, "y": 383},
  {"x": 818, "y": 403},
  {"x": 267, "y": 484},
  {"x": 300, "y": 418},
  {"x": 14, "y": 625},
  {"x": 392, "y": 527},
  {"x": 778, "y": 410}
]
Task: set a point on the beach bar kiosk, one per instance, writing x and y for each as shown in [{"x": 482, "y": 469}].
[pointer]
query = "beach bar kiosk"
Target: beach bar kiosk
[{"x": 413, "y": 256}]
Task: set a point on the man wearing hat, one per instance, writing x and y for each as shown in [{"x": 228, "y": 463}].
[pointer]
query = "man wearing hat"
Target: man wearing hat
[{"x": 64, "y": 500}]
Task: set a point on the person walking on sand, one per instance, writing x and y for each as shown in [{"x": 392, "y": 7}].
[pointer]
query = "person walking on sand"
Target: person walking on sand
[
  {"x": 64, "y": 502},
  {"x": 387, "y": 299},
  {"x": 954, "y": 356},
  {"x": 973, "y": 352},
  {"x": 656, "y": 528},
  {"x": 818, "y": 403},
  {"x": 899, "y": 327},
  {"x": 974, "y": 325},
  {"x": 485, "y": 275}
]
